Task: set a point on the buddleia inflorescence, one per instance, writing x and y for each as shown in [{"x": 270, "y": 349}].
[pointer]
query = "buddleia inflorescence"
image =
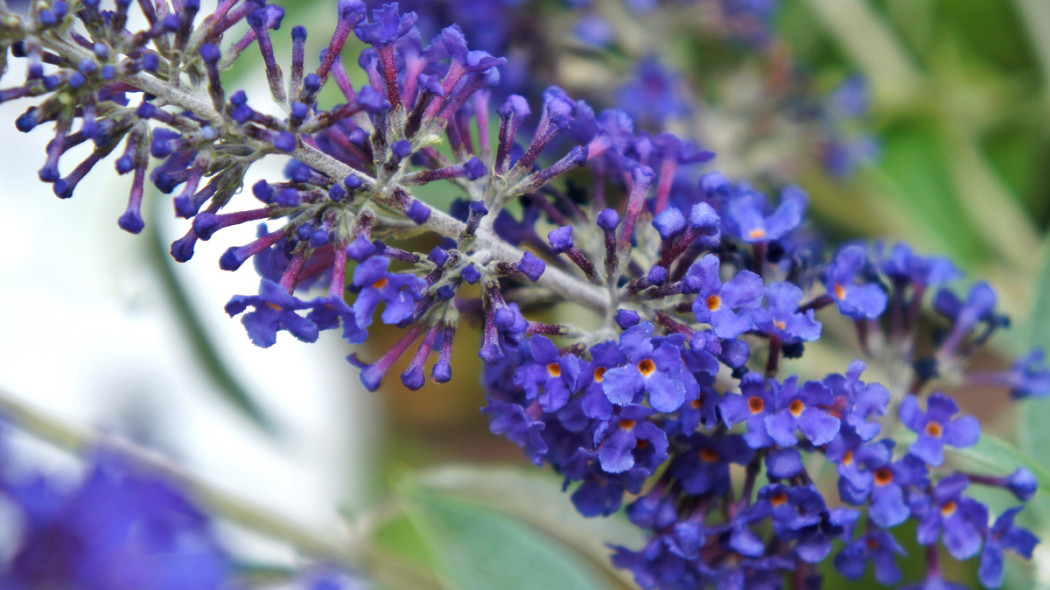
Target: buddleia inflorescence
[{"x": 677, "y": 400}]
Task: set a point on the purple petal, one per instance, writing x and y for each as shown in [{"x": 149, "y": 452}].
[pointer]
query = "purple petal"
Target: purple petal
[
  {"x": 665, "y": 394},
  {"x": 621, "y": 384},
  {"x": 615, "y": 455},
  {"x": 963, "y": 432},
  {"x": 818, "y": 426}
]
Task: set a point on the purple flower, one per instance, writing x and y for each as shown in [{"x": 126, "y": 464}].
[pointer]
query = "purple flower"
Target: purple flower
[
  {"x": 858, "y": 301},
  {"x": 719, "y": 303},
  {"x": 1003, "y": 535},
  {"x": 876, "y": 546},
  {"x": 903, "y": 266},
  {"x": 387, "y": 25},
  {"x": 754, "y": 403},
  {"x": 935, "y": 427},
  {"x": 880, "y": 480},
  {"x": 629, "y": 438},
  {"x": 781, "y": 316},
  {"x": 857, "y": 401},
  {"x": 1029, "y": 376},
  {"x": 655, "y": 369},
  {"x": 946, "y": 513},
  {"x": 119, "y": 528},
  {"x": 800, "y": 409},
  {"x": 749, "y": 217},
  {"x": 594, "y": 402},
  {"x": 328, "y": 312},
  {"x": 400, "y": 292},
  {"x": 978, "y": 307},
  {"x": 550, "y": 377},
  {"x": 520, "y": 425},
  {"x": 704, "y": 467},
  {"x": 275, "y": 309},
  {"x": 654, "y": 95}
]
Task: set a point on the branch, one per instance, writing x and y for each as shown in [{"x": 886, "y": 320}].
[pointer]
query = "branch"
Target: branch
[{"x": 554, "y": 279}]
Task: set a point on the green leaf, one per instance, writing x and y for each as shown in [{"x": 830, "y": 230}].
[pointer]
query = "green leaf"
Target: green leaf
[
  {"x": 209, "y": 357},
  {"x": 476, "y": 547},
  {"x": 517, "y": 492},
  {"x": 1034, "y": 434}
]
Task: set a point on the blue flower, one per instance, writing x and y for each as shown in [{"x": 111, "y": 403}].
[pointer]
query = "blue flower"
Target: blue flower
[
  {"x": 656, "y": 370},
  {"x": 749, "y": 216},
  {"x": 754, "y": 403},
  {"x": 876, "y": 546},
  {"x": 704, "y": 467},
  {"x": 719, "y": 303},
  {"x": 903, "y": 266},
  {"x": 781, "y": 316},
  {"x": 857, "y": 402},
  {"x": 387, "y": 25},
  {"x": 881, "y": 481},
  {"x": 120, "y": 528},
  {"x": 522, "y": 426},
  {"x": 858, "y": 301},
  {"x": 800, "y": 409},
  {"x": 550, "y": 377},
  {"x": 275, "y": 309},
  {"x": 375, "y": 284},
  {"x": 946, "y": 513},
  {"x": 1003, "y": 535},
  {"x": 935, "y": 427},
  {"x": 620, "y": 441}
]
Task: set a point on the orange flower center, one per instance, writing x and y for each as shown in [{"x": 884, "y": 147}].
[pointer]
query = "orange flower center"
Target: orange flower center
[
  {"x": 714, "y": 303},
  {"x": 778, "y": 499},
  {"x": 599, "y": 374},
  {"x": 380, "y": 283},
  {"x": 627, "y": 424},
  {"x": 934, "y": 429},
  {"x": 796, "y": 407},
  {"x": 647, "y": 367},
  {"x": 756, "y": 234},
  {"x": 871, "y": 543},
  {"x": 847, "y": 459},
  {"x": 756, "y": 404},
  {"x": 840, "y": 291},
  {"x": 274, "y": 306},
  {"x": 780, "y": 324},
  {"x": 883, "y": 476},
  {"x": 554, "y": 370},
  {"x": 709, "y": 455},
  {"x": 948, "y": 508}
]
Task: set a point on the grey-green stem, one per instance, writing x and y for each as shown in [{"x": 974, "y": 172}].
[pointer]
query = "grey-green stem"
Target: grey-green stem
[{"x": 554, "y": 279}]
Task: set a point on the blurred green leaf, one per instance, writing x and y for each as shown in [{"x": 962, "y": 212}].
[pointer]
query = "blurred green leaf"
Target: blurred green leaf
[
  {"x": 917, "y": 176},
  {"x": 517, "y": 492},
  {"x": 208, "y": 356},
  {"x": 476, "y": 547},
  {"x": 1034, "y": 434}
]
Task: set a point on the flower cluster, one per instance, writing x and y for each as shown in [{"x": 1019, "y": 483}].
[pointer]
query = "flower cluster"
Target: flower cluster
[
  {"x": 678, "y": 400},
  {"x": 121, "y": 527}
]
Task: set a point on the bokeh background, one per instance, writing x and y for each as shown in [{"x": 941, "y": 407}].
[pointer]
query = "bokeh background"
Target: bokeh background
[{"x": 919, "y": 120}]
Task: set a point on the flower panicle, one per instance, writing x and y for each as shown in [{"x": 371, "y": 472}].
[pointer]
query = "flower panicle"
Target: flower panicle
[{"x": 703, "y": 288}]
